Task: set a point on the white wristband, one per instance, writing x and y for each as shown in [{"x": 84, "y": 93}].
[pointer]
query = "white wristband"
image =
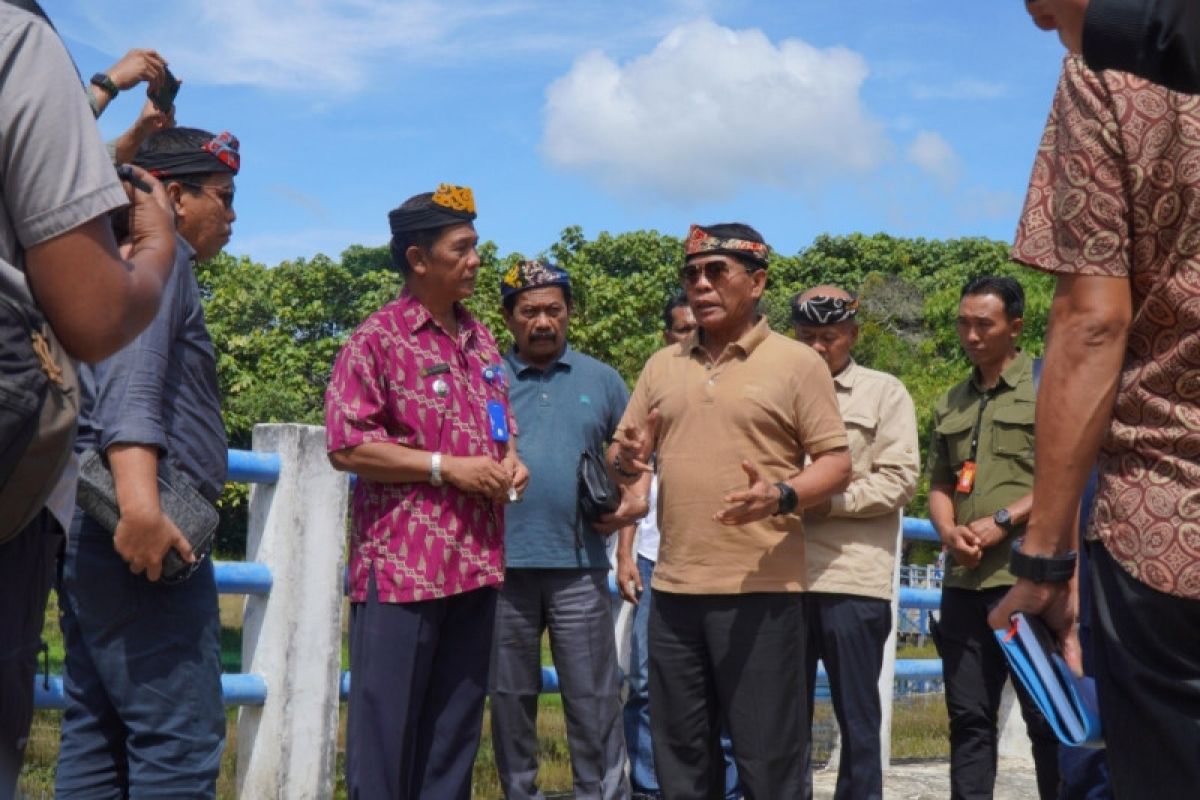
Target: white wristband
[{"x": 435, "y": 469}]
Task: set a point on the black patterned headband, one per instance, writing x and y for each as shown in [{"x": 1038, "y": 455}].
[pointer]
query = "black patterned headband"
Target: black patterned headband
[{"x": 822, "y": 310}]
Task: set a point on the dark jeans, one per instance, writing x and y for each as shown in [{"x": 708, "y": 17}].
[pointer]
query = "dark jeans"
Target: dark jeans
[
  {"x": 732, "y": 659},
  {"x": 642, "y": 773},
  {"x": 575, "y": 605},
  {"x": 26, "y": 574},
  {"x": 849, "y": 633},
  {"x": 417, "y": 686},
  {"x": 975, "y": 670},
  {"x": 1146, "y": 647},
  {"x": 142, "y": 676}
]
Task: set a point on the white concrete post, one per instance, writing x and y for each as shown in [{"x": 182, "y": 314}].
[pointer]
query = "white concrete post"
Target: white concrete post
[
  {"x": 1014, "y": 736},
  {"x": 293, "y": 636},
  {"x": 887, "y": 675}
]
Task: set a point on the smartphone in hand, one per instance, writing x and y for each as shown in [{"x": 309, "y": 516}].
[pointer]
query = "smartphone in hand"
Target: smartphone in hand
[{"x": 164, "y": 97}]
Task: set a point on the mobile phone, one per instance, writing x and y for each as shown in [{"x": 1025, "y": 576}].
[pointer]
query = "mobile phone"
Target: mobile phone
[{"x": 164, "y": 98}]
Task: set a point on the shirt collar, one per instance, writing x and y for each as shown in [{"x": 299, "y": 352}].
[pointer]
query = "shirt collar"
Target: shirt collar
[
  {"x": 1012, "y": 375},
  {"x": 417, "y": 316},
  {"x": 565, "y": 360},
  {"x": 746, "y": 343},
  {"x": 845, "y": 379}
]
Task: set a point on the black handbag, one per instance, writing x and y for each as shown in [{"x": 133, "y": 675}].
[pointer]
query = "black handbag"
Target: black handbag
[
  {"x": 598, "y": 492},
  {"x": 191, "y": 512}
]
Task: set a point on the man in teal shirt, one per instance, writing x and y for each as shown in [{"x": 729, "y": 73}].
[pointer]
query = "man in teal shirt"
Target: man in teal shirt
[
  {"x": 980, "y": 493},
  {"x": 556, "y": 565}
]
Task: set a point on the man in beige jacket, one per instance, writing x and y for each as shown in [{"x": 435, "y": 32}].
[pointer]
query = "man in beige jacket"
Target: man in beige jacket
[{"x": 850, "y": 540}]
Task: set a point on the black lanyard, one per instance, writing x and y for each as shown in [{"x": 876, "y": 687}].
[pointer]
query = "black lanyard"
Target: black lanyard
[{"x": 983, "y": 401}]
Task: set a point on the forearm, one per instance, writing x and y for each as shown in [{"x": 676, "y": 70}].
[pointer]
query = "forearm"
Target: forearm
[
  {"x": 625, "y": 537},
  {"x": 883, "y": 491},
  {"x": 1018, "y": 511},
  {"x": 828, "y": 474},
  {"x": 941, "y": 509},
  {"x": 1085, "y": 348},
  {"x": 385, "y": 462},
  {"x": 135, "y": 476}
]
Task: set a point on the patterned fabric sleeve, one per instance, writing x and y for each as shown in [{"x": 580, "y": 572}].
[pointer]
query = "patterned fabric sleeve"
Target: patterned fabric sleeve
[
  {"x": 356, "y": 405},
  {"x": 1077, "y": 206}
]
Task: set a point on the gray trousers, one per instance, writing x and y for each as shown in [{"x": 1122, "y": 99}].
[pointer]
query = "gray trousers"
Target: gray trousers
[{"x": 574, "y": 605}]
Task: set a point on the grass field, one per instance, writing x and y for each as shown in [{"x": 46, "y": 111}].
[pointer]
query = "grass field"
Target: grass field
[{"x": 918, "y": 728}]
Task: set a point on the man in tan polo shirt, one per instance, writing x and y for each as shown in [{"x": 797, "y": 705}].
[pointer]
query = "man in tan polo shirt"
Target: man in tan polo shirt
[
  {"x": 851, "y": 539},
  {"x": 731, "y": 414}
]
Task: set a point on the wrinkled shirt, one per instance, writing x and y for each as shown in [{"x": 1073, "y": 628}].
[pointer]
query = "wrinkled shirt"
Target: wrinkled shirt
[{"x": 403, "y": 379}]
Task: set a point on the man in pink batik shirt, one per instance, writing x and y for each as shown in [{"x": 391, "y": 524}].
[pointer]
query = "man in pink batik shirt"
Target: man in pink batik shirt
[{"x": 417, "y": 407}]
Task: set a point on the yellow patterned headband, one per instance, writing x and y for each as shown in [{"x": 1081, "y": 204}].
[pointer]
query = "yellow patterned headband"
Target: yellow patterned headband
[{"x": 455, "y": 198}]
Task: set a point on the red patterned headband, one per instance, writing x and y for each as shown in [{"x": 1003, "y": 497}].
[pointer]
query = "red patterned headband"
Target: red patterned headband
[{"x": 700, "y": 241}]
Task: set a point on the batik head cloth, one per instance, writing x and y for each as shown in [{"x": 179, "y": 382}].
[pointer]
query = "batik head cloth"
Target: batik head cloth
[
  {"x": 532, "y": 274},
  {"x": 701, "y": 242},
  {"x": 218, "y": 154},
  {"x": 822, "y": 310},
  {"x": 449, "y": 205}
]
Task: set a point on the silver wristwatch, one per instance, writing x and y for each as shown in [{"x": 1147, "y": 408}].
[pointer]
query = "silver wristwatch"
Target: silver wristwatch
[{"x": 435, "y": 470}]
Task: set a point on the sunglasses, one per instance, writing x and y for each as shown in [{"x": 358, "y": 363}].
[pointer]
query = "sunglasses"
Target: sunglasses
[
  {"x": 225, "y": 196},
  {"x": 714, "y": 272}
]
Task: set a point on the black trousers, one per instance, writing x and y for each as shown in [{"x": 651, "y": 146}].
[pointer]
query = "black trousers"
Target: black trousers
[
  {"x": 975, "y": 670},
  {"x": 418, "y": 680},
  {"x": 1146, "y": 653},
  {"x": 27, "y": 565},
  {"x": 732, "y": 659},
  {"x": 849, "y": 633}
]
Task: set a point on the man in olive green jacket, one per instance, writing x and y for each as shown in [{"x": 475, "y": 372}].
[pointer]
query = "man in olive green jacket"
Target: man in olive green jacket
[{"x": 981, "y": 490}]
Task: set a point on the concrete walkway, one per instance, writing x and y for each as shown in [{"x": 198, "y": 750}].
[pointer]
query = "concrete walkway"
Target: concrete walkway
[{"x": 930, "y": 780}]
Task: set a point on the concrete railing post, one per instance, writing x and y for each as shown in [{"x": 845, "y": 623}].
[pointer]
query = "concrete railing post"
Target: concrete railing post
[
  {"x": 292, "y": 637},
  {"x": 887, "y": 675}
]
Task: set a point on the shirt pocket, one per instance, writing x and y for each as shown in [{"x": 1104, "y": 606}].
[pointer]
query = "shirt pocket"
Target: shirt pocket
[
  {"x": 1012, "y": 430},
  {"x": 956, "y": 430},
  {"x": 860, "y": 432}
]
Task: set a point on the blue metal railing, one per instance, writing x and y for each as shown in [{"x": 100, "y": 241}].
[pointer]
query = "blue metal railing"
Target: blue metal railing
[{"x": 247, "y": 577}]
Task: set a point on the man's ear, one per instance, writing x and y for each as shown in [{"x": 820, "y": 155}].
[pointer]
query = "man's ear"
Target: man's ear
[
  {"x": 174, "y": 193},
  {"x": 1018, "y": 325},
  {"x": 416, "y": 260}
]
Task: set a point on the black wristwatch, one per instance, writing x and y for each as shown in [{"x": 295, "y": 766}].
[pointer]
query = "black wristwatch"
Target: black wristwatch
[
  {"x": 102, "y": 80},
  {"x": 1041, "y": 569},
  {"x": 787, "y": 498},
  {"x": 1003, "y": 520}
]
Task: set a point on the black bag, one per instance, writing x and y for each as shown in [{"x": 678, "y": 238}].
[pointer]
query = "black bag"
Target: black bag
[
  {"x": 39, "y": 403},
  {"x": 598, "y": 492},
  {"x": 191, "y": 512}
]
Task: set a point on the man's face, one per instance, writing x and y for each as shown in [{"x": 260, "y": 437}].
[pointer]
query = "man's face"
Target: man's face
[
  {"x": 204, "y": 212},
  {"x": 683, "y": 324},
  {"x": 449, "y": 267},
  {"x": 985, "y": 331},
  {"x": 832, "y": 342},
  {"x": 721, "y": 292},
  {"x": 538, "y": 323}
]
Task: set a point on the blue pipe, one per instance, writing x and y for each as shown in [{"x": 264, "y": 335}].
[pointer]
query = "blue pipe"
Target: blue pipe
[
  {"x": 251, "y": 466},
  {"x": 238, "y": 689},
  {"x": 242, "y": 577}
]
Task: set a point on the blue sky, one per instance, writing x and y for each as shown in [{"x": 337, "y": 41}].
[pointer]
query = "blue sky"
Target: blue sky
[{"x": 801, "y": 118}]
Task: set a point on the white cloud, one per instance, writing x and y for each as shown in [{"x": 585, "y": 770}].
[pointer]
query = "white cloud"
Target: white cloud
[
  {"x": 711, "y": 110},
  {"x": 934, "y": 155},
  {"x": 324, "y": 46}
]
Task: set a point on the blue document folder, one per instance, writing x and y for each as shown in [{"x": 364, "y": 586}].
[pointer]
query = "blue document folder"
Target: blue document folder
[{"x": 1067, "y": 702}]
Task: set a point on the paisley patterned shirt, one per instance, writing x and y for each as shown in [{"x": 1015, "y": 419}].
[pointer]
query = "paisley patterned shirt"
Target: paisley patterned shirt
[
  {"x": 1116, "y": 191},
  {"x": 401, "y": 378}
]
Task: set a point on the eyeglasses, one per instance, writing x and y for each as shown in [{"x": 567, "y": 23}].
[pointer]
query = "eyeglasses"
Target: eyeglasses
[
  {"x": 225, "y": 196},
  {"x": 714, "y": 272}
]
